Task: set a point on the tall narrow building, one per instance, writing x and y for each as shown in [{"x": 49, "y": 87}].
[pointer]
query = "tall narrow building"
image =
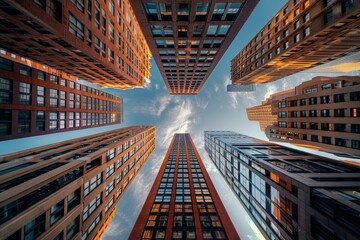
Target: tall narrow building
[
  {"x": 303, "y": 34},
  {"x": 69, "y": 190},
  {"x": 98, "y": 41},
  {"x": 183, "y": 203},
  {"x": 36, "y": 99},
  {"x": 265, "y": 113},
  {"x": 289, "y": 194},
  {"x": 188, "y": 38},
  {"x": 322, "y": 113}
]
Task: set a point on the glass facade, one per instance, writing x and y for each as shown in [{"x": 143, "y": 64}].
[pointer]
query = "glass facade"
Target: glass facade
[{"x": 269, "y": 180}]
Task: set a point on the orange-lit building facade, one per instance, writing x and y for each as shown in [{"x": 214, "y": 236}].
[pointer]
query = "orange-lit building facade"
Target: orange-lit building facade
[
  {"x": 324, "y": 113},
  {"x": 36, "y": 99},
  {"x": 303, "y": 34},
  {"x": 70, "y": 189},
  {"x": 183, "y": 203},
  {"x": 188, "y": 38},
  {"x": 98, "y": 41}
]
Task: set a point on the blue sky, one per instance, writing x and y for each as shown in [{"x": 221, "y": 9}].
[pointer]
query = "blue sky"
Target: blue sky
[{"x": 212, "y": 109}]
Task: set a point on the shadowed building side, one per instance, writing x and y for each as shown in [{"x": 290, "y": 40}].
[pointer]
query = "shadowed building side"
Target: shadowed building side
[
  {"x": 98, "y": 41},
  {"x": 70, "y": 189},
  {"x": 188, "y": 38}
]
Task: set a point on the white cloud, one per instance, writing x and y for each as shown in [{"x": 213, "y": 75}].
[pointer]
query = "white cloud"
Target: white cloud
[
  {"x": 179, "y": 120},
  {"x": 147, "y": 85},
  {"x": 156, "y": 86},
  {"x": 162, "y": 103}
]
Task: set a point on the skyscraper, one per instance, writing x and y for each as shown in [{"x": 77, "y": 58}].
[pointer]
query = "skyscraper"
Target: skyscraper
[
  {"x": 98, "y": 41},
  {"x": 183, "y": 203},
  {"x": 36, "y": 99},
  {"x": 69, "y": 190},
  {"x": 321, "y": 113},
  {"x": 188, "y": 38},
  {"x": 289, "y": 194},
  {"x": 303, "y": 34},
  {"x": 264, "y": 113}
]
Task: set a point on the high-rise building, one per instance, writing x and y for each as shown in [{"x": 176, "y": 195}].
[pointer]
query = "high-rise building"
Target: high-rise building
[
  {"x": 36, "y": 99},
  {"x": 323, "y": 113},
  {"x": 188, "y": 38},
  {"x": 98, "y": 41},
  {"x": 303, "y": 34},
  {"x": 183, "y": 203},
  {"x": 289, "y": 194},
  {"x": 69, "y": 190},
  {"x": 264, "y": 114}
]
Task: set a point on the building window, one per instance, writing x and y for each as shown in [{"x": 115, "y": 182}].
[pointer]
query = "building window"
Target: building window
[
  {"x": 355, "y": 96},
  {"x": 313, "y": 113},
  {"x": 7, "y": 65},
  {"x": 355, "y": 128},
  {"x": 326, "y": 140},
  {"x": 110, "y": 170},
  {"x": 328, "y": 17},
  {"x": 183, "y": 11},
  {"x": 325, "y": 113},
  {"x": 40, "y": 100},
  {"x": 24, "y": 119},
  {"x": 100, "y": 47},
  {"x": 306, "y": 4},
  {"x": 314, "y": 138},
  {"x": 92, "y": 226},
  {"x": 355, "y": 144},
  {"x": 5, "y": 122},
  {"x": 339, "y": 97},
  {"x": 72, "y": 229},
  {"x": 110, "y": 154},
  {"x": 40, "y": 121},
  {"x": 25, "y": 70},
  {"x": 62, "y": 119},
  {"x": 53, "y": 98},
  {"x": 92, "y": 184},
  {"x": 340, "y": 142},
  {"x": 277, "y": 51},
  {"x": 339, "y": 112},
  {"x": 5, "y": 90},
  {"x": 109, "y": 204},
  {"x": 35, "y": 227},
  {"x": 109, "y": 188},
  {"x": 53, "y": 78},
  {"x": 73, "y": 200},
  {"x": 347, "y": 5},
  {"x": 91, "y": 207},
  {"x": 79, "y": 4},
  {"x": 62, "y": 99},
  {"x": 313, "y": 101},
  {"x": 56, "y": 212},
  {"x": 41, "y": 75},
  {"x": 306, "y": 17},
  {"x": 76, "y": 27},
  {"x": 24, "y": 93},
  {"x": 340, "y": 127},
  {"x": 355, "y": 112},
  {"x": 296, "y": 24},
  {"x": 53, "y": 120},
  {"x": 201, "y": 11}
]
